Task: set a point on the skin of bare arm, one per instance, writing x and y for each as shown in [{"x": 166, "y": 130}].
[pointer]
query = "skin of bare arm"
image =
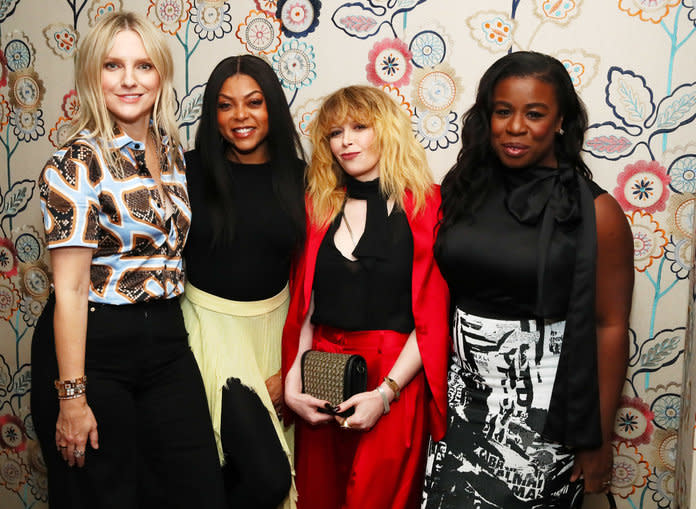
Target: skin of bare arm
[
  {"x": 369, "y": 406},
  {"x": 302, "y": 404},
  {"x": 71, "y": 278},
  {"x": 613, "y": 306}
]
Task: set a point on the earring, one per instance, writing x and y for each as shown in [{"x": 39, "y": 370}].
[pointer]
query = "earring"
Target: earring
[{"x": 561, "y": 132}]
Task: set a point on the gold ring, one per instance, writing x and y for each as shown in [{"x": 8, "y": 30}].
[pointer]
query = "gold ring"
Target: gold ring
[{"x": 345, "y": 424}]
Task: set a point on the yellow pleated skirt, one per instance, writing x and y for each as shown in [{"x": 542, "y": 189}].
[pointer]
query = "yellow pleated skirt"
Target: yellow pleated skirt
[{"x": 241, "y": 340}]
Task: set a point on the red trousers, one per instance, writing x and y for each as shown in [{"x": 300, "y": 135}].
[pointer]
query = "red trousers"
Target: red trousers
[{"x": 377, "y": 469}]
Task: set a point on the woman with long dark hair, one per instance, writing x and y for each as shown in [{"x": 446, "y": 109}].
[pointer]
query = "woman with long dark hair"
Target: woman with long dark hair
[
  {"x": 246, "y": 185},
  {"x": 538, "y": 259}
]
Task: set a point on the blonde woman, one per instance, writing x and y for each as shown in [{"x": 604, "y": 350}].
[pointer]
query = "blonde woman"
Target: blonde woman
[
  {"x": 368, "y": 284},
  {"x": 116, "y": 390}
]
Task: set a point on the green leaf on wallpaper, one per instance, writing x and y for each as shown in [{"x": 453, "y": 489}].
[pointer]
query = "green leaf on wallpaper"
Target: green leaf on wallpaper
[
  {"x": 21, "y": 384},
  {"x": 17, "y": 198},
  {"x": 659, "y": 352}
]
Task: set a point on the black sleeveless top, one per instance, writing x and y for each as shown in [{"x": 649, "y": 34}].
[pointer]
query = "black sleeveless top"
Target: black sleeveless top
[{"x": 366, "y": 294}]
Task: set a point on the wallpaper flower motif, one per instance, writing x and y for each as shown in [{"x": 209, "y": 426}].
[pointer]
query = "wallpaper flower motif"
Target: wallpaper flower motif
[
  {"x": 8, "y": 258},
  {"x": 19, "y": 51},
  {"x": 62, "y": 39},
  {"x": 682, "y": 173},
  {"x": 13, "y": 436},
  {"x": 492, "y": 30},
  {"x": 630, "y": 470},
  {"x": 633, "y": 424},
  {"x": 27, "y": 125},
  {"x": 26, "y": 90},
  {"x": 260, "y": 33},
  {"x": 9, "y": 298},
  {"x": 71, "y": 104},
  {"x": 101, "y": 7},
  {"x": 648, "y": 10},
  {"x": 427, "y": 48},
  {"x": 294, "y": 64},
  {"x": 558, "y": 10},
  {"x": 435, "y": 129},
  {"x": 168, "y": 15},
  {"x": 299, "y": 17},
  {"x": 661, "y": 488},
  {"x": 643, "y": 186},
  {"x": 436, "y": 89},
  {"x": 211, "y": 21},
  {"x": 13, "y": 471},
  {"x": 680, "y": 219},
  {"x": 680, "y": 253},
  {"x": 389, "y": 63},
  {"x": 648, "y": 240},
  {"x": 59, "y": 133}
]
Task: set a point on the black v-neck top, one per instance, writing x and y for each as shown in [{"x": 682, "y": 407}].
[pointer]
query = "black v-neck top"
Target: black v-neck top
[{"x": 351, "y": 296}]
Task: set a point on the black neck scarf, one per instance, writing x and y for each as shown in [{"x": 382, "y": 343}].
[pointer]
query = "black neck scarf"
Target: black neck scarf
[
  {"x": 561, "y": 199},
  {"x": 372, "y": 246}
]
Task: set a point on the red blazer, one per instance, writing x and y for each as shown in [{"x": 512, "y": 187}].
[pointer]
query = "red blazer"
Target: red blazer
[{"x": 430, "y": 298}]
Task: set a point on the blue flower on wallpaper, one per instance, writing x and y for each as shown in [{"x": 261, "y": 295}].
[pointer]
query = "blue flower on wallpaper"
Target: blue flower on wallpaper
[
  {"x": 210, "y": 21},
  {"x": 7, "y": 7},
  {"x": 427, "y": 48},
  {"x": 683, "y": 174},
  {"x": 678, "y": 252},
  {"x": 666, "y": 409},
  {"x": 294, "y": 64},
  {"x": 435, "y": 129},
  {"x": 27, "y": 125},
  {"x": 691, "y": 5},
  {"x": 19, "y": 54},
  {"x": 660, "y": 483},
  {"x": 298, "y": 17},
  {"x": 362, "y": 21},
  {"x": 639, "y": 118}
]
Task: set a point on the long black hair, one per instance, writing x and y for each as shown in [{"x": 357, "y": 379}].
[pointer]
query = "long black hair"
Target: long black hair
[
  {"x": 465, "y": 185},
  {"x": 283, "y": 143}
]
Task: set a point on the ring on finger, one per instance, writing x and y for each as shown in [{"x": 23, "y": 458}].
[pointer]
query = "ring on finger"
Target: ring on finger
[
  {"x": 345, "y": 424},
  {"x": 607, "y": 483},
  {"x": 78, "y": 453}
]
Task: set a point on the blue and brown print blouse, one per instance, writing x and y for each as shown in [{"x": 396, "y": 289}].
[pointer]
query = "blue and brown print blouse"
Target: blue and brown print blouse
[{"x": 119, "y": 212}]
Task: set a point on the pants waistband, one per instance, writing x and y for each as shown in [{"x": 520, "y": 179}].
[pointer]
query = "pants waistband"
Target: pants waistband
[{"x": 235, "y": 307}]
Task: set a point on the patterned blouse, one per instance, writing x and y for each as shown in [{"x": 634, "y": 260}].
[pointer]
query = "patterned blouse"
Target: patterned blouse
[{"x": 118, "y": 212}]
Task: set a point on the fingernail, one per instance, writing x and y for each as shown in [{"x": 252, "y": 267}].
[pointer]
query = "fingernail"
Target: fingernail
[
  {"x": 336, "y": 408},
  {"x": 327, "y": 406}
]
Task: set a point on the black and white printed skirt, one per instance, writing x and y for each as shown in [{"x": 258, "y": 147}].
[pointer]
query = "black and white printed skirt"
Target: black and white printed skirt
[{"x": 499, "y": 387}]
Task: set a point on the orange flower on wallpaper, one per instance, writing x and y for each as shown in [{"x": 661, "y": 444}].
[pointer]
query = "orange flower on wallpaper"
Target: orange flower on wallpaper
[
  {"x": 260, "y": 33},
  {"x": 648, "y": 10},
  {"x": 169, "y": 15},
  {"x": 649, "y": 239}
]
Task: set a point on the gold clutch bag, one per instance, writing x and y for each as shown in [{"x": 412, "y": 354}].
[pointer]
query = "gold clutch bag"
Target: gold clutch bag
[{"x": 333, "y": 377}]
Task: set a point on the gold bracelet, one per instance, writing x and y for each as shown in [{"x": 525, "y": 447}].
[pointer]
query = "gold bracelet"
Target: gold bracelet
[
  {"x": 71, "y": 389},
  {"x": 394, "y": 387}
]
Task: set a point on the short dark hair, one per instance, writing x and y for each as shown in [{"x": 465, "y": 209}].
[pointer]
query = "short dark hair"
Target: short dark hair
[{"x": 283, "y": 142}]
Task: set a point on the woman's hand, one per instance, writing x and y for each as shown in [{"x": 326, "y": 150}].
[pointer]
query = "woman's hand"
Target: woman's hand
[
  {"x": 595, "y": 466},
  {"x": 274, "y": 385},
  {"x": 304, "y": 405},
  {"x": 76, "y": 424},
  {"x": 369, "y": 407}
]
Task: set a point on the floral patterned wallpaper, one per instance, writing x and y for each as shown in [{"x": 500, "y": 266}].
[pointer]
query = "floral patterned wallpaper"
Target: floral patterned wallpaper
[{"x": 632, "y": 61}]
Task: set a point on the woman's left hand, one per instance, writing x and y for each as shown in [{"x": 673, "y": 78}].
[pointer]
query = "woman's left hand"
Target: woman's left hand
[
  {"x": 595, "y": 466},
  {"x": 368, "y": 409},
  {"x": 275, "y": 390}
]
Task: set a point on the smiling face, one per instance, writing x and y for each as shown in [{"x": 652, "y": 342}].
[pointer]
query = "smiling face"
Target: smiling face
[
  {"x": 130, "y": 83},
  {"x": 353, "y": 145},
  {"x": 243, "y": 119},
  {"x": 524, "y": 122}
]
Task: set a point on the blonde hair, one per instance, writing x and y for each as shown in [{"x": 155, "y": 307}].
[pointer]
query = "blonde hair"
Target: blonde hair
[
  {"x": 93, "y": 114},
  {"x": 402, "y": 162}
]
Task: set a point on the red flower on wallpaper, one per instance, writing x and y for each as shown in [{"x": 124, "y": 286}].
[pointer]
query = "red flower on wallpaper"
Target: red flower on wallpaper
[
  {"x": 643, "y": 186},
  {"x": 389, "y": 63}
]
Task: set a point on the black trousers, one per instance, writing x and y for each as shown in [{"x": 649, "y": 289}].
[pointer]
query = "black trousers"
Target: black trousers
[{"x": 156, "y": 445}]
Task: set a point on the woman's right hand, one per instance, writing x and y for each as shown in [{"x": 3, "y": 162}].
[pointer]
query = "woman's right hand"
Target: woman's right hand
[
  {"x": 76, "y": 424},
  {"x": 305, "y": 405}
]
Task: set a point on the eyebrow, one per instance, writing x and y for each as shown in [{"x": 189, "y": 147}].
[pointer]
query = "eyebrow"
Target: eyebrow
[
  {"x": 220, "y": 94},
  {"x": 528, "y": 105}
]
